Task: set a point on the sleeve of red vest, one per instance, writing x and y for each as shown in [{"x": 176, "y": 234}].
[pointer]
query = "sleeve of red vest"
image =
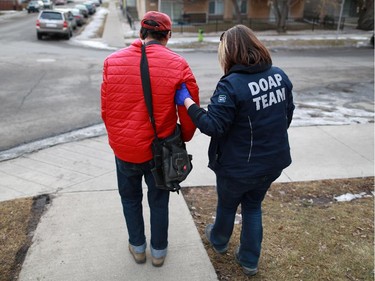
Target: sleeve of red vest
[{"x": 187, "y": 126}]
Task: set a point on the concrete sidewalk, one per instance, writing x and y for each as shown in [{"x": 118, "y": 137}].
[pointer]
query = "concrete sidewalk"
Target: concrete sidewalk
[
  {"x": 115, "y": 27},
  {"x": 321, "y": 152},
  {"x": 82, "y": 235}
]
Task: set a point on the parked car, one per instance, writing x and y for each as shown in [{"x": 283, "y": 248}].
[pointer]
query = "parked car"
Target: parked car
[
  {"x": 47, "y": 4},
  {"x": 60, "y": 2},
  {"x": 54, "y": 22},
  {"x": 90, "y": 6},
  {"x": 72, "y": 20},
  {"x": 96, "y": 2},
  {"x": 71, "y": 17},
  {"x": 34, "y": 6},
  {"x": 83, "y": 9},
  {"x": 78, "y": 15}
]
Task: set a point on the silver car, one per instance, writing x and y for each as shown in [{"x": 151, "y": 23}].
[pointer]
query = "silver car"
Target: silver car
[{"x": 53, "y": 22}]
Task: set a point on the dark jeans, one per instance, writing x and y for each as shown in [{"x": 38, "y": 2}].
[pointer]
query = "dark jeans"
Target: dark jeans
[
  {"x": 129, "y": 179},
  {"x": 249, "y": 193}
]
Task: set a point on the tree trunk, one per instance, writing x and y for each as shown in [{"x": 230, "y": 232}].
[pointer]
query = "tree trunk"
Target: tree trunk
[
  {"x": 237, "y": 11},
  {"x": 281, "y": 8},
  {"x": 366, "y": 15}
]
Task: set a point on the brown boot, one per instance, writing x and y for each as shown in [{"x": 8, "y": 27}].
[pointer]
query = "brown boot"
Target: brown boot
[{"x": 138, "y": 257}]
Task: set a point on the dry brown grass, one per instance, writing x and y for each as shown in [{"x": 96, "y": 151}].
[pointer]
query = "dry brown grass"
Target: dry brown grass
[
  {"x": 307, "y": 234},
  {"x": 14, "y": 217},
  {"x": 18, "y": 220}
]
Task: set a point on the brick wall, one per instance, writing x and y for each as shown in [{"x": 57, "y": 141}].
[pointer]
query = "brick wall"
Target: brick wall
[
  {"x": 195, "y": 6},
  {"x": 258, "y": 10},
  {"x": 9, "y": 5}
]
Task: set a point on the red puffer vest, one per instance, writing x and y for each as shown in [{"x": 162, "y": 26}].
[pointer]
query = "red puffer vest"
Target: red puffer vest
[{"x": 123, "y": 107}]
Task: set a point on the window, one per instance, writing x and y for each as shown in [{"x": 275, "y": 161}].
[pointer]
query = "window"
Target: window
[
  {"x": 172, "y": 9},
  {"x": 51, "y": 16},
  {"x": 242, "y": 4},
  {"x": 216, "y": 7}
]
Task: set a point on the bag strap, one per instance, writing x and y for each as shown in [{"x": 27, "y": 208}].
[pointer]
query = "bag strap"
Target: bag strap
[{"x": 146, "y": 85}]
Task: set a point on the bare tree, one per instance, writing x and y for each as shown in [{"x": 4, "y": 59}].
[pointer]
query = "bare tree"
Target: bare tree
[
  {"x": 281, "y": 10},
  {"x": 326, "y": 11},
  {"x": 366, "y": 15},
  {"x": 237, "y": 11}
]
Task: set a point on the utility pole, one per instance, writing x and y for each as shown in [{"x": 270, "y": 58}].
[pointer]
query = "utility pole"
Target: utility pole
[
  {"x": 124, "y": 7},
  {"x": 340, "y": 17}
]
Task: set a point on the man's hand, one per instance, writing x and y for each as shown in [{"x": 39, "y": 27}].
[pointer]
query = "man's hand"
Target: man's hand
[{"x": 181, "y": 95}]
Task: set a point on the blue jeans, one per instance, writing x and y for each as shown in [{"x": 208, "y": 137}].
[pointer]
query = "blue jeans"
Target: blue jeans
[
  {"x": 129, "y": 180},
  {"x": 249, "y": 192}
]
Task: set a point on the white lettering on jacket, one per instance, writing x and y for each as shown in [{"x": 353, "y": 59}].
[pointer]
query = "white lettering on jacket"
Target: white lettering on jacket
[{"x": 265, "y": 85}]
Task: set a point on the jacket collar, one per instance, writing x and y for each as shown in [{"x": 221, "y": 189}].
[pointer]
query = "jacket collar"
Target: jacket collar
[
  {"x": 138, "y": 43},
  {"x": 153, "y": 42}
]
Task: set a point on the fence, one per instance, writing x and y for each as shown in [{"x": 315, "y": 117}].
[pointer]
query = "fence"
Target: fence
[{"x": 259, "y": 25}]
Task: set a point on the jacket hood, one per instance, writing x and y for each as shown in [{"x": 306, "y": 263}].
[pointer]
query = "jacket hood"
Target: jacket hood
[{"x": 240, "y": 68}]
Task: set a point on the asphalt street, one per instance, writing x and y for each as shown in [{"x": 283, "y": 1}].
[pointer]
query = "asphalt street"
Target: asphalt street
[{"x": 51, "y": 88}]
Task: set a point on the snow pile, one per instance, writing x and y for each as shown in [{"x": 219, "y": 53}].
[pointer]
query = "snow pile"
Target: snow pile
[
  {"x": 350, "y": 196},
  {"x": 87, "y": 37},
  {"x": 94, "y": 25}
]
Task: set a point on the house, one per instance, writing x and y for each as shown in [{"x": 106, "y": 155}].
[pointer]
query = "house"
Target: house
[
  {"x": 221, "y": 12},
  {"x": 204, "y": 11}
]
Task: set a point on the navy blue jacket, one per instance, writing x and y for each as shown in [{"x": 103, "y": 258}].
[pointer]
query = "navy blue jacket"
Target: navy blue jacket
[{"x": 247, "y": 119}]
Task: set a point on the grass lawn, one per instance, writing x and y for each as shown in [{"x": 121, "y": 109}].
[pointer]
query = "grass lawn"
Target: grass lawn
[{"x": 307, "y": 234}]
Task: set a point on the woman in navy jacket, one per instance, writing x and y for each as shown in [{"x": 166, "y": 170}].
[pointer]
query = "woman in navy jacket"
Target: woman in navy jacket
[{"x": 247, "y": 119}]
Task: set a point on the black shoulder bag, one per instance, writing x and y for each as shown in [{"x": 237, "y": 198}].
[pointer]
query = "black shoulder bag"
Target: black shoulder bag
[{"x": 172, "y": 161}]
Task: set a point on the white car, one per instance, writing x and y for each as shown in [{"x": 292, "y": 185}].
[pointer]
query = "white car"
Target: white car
[
  {"x": 47, "y": 4},
  {"x": 34, "y": 6}
]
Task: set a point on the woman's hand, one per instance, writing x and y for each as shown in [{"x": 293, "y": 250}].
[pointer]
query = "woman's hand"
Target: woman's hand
[{"x": 181, "y": 95}]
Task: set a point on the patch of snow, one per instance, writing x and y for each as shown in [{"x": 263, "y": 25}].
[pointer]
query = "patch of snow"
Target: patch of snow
[
  {"x": 93, "y": 26},
  {"x": 349, "y": 197},
  {"x": 87, "y": 36}
]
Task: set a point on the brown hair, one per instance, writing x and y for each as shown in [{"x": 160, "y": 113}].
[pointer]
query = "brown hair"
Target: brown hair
[{"x": 239, "y": 45}]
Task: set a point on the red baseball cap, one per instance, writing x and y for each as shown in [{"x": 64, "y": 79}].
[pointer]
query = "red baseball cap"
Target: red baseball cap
[{"x": 163, "y": 21}]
